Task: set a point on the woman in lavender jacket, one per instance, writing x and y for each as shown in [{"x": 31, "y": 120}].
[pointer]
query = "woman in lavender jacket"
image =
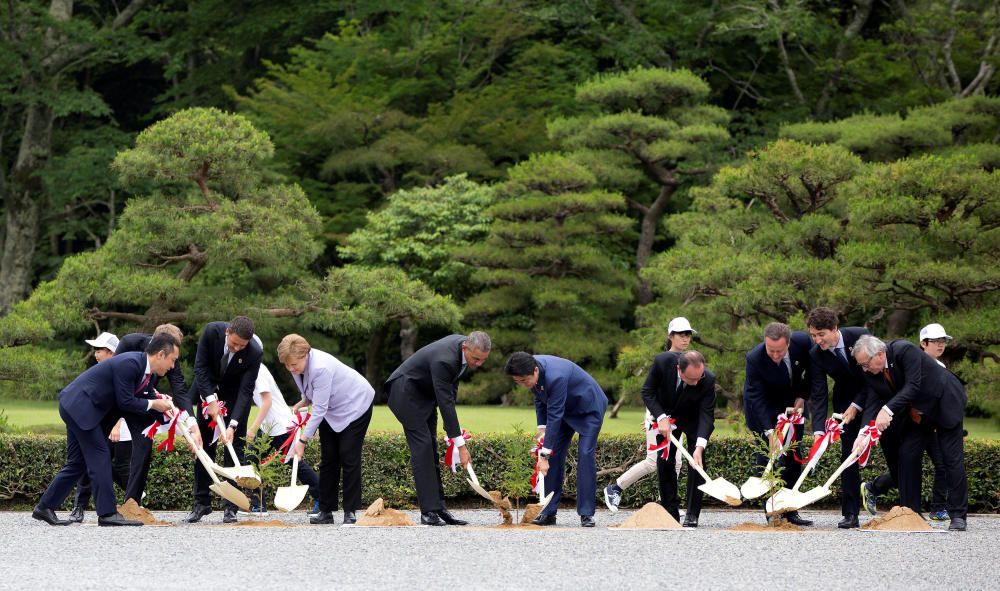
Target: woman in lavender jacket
[{"x": 341, "y": 401}]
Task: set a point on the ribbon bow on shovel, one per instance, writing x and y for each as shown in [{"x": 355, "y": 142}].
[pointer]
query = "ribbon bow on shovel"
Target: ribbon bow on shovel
[
  {"x": 788, "y": 497},
  {"x": 757, "y": 486},
  {"x": 665, "y": 444},
  {"x": 298, "y": 423},
  {"x": 537, "y": 478}
]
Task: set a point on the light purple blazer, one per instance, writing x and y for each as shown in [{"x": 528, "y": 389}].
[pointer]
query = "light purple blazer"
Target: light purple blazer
[{"x": 338, "y": 393}]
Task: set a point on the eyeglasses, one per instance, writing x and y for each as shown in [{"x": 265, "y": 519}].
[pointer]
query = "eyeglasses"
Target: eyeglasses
[{"x": 940, "y": 341}]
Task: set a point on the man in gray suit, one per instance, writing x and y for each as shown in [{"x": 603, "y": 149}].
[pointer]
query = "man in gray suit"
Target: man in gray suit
[{"x": 425, "y": 382}]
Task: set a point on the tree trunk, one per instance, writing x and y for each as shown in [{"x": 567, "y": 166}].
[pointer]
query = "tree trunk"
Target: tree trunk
[
  {"x": 897, "y": 323},
  {"x": 373, "y": 361},
  {"x": 651, "y": 217},
  {"x": 862, "y": 10},
  {"x": 408, "y": 338}
]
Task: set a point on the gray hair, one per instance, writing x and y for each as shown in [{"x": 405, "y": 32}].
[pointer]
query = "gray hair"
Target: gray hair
[
  {"x": 869, "y": 345},
  {"x": 778, "y": 330},
  {"x": 479, "y": 341}
]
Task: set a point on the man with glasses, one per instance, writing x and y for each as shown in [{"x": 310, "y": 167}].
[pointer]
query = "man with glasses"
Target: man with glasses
[{"x": 910, "y": 395}]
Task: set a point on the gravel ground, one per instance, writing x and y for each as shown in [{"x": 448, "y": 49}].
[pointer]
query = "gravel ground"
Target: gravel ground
[{"x": 37, "y": 556}]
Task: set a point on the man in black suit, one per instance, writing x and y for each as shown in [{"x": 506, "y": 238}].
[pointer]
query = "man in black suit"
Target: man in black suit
[
  {"x": 225, "y": 370},
  {"x": 909, "y": 396},
  {"x": 120, "y": 383},
  {"x": 142, "y": 446},
  {"x": 425, "y": 382},
  {"x": 680, "y": 392},
  {"x": 830, "y": 356},
  {"x": 778, "y": 377}
]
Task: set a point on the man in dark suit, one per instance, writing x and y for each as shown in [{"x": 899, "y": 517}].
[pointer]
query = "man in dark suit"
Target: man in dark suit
[
  {"x": 567, "y": 400},
  {"x": 680, "y": 392},
  {"x": 225, "y": 370},
  {"x": 425, "y": 382},
  {"x": 909, "y": 396},
  {"x": 115, "y": 384},
  {"x": 142, "y": 446},
  {"x": 830, "y": 356},
  {"x": 778, "y": 377}
]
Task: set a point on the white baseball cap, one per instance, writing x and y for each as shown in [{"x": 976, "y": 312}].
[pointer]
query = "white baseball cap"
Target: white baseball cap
[
  {"x": 933, "y": 331},
  {"x": 105, "y": 340},
  {"x": 680, "y": 324}
]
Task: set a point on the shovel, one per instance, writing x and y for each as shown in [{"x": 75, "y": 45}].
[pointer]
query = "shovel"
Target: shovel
[
  {"x": 756, "y": 486},
  {"x": 244, "y": 476},
  {"x": 720, "y": 488},
  {"x": 820, "y": 492},
  {"x": 787, "y": 497},
  {"x": 287, "y": 498},
  {"x": 543, "y": 499},
  {"x": 221, "y": 488},
  {"x": 474, "y": 483}
]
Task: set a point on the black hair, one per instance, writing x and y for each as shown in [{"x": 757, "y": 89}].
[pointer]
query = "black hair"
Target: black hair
[
  {"x": 243, "y": 327},
  {"x": 520, "y": 364},
  {"x": 162, "y": 342}
]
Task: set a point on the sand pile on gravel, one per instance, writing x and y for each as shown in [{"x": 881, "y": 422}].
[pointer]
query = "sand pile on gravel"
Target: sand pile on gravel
[
  {"x": 132, "y": 510},
  {"x": 377, "y": 514},
  {"x": 781, "y": 525},
  {"x": 258, "y": 523},
  {"x": 651, "y": 516},
  {"x": 530, "y": 512},
  {"x": 898, "y": 519},
  {"x": 502, "y": 505}
]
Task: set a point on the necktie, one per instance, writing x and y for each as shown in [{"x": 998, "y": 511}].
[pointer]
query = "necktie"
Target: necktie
[
  {"x": 224, "y": 362},
  {"x": 788, "y": 366},
  {"x": 145, "y": 382},
  {"x": 888, "y": 378},
  {"x": 842, "y": 356}
]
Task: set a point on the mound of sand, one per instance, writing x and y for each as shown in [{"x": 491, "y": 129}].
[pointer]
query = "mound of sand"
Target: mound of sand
[
  {"x": 651, "y": 516},
  {"x": 377, "y": 514},
  {"x": 132, "y": 510},
  {"x": 531, "y": 511},
  {"x": 774, "y": 525},
  {"x": 502, "y": 505},
  {"x": 898, "y": 519}
]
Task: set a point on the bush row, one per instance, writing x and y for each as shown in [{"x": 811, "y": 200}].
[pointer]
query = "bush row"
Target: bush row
[{"x": 28, "y": 464}]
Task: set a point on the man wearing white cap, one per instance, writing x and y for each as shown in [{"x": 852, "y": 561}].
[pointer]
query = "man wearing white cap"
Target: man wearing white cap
[
  {"x": 933, "y": 340},
  {"x": 121, "y": 448},
  {"x": 679, "y": 334}
]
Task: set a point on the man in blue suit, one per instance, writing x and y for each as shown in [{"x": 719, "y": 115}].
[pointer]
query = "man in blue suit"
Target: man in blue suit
[
  {"x": 120, "y": 384},
  {"x": 567, "y": 401},
  {"x": 777, "y": 377}
]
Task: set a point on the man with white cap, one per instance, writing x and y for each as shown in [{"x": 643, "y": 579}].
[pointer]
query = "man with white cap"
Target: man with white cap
[
  {"x": 105, "y": 346},
  {"x": 679, "y": 333},
  {"x": 933, "y": 340}
]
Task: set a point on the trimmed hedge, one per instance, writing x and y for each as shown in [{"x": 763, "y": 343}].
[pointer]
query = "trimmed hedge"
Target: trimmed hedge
[{"x": 28, "y": 464}]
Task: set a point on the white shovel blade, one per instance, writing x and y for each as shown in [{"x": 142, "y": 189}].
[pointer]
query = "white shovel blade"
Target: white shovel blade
[
  {"x": 722, "y": 489},
  {"x": 288, "y": 498},
  {"x": 754, "y": 487},
  {"x": 779, "y": 502},
  {"x": 231, "y": 494},
  {"x": 543, "y": 502},
  {"x": 247, "y": 477},
  {"x": 807, "y": 498}
]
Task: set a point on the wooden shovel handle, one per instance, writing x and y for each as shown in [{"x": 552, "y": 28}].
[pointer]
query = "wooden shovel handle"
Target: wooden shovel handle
[
  {"x": 206, "y": 462},
  {"x": 690, "y": 460},
  {"x": 295, "y": 458},
  {"x": 847, "y": 463}
]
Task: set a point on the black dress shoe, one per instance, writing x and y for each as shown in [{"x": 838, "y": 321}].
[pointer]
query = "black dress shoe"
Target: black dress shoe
[
  {"x": 116, "y": 519},
  {"x": 451, "y": 519},
  {"x": 349, "y": 518},
  {"x": 322, "y": 518},
  {"x": 431, "y": 518},
  {"x": 47, "y": 515},
  {"x": 197, "y": 513},
  {"x": 849, "y": 522},
  {"x": 544, "y": 519},
  {"x": 690, "y": 521},
  {"x": 587, "y": 521},
  {"x": 957, "y": 524},
  {"x": 229, "y": 515},
  {"x": 795, "y": 519},
  {"x": 76, "y": 515}
]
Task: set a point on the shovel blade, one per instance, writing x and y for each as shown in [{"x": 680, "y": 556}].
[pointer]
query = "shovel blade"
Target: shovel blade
[
  {"x": 543, "y": 502},
  {"x": 247, "y": 477},
  {"x": 288, "y": 498},
  {"x": 722, "y": 489},
  {"x": 231, "y": 494},
  {"x": 807, "y": 498},
  {"x": 754, "y": 487},
  {"x": 781, "y": 501}
]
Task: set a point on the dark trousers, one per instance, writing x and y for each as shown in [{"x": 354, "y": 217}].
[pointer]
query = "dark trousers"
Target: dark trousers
[
  {"x": 201, "y": 478},
  {"x": 86, "y": 453},
  {"x": 850, "y": 490},
  {"x": 120, "y": 453},
  {"x": 667, "y": 474},
  {"x": 903, "y": 447},
  {"x": 306, "y": 476},
  {"x": 939, "y": 493},
  {"x": 341, "y": 451},
  {"x": 790, "y": 469},
  {"x": 418, "y": 416},
  {"x": 589, "y": 427}
]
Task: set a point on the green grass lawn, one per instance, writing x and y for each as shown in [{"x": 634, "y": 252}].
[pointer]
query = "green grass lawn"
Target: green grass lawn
[{"x": 43, "y": 417}]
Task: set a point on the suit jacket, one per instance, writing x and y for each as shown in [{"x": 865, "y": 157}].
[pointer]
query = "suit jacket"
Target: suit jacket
[
  {"x": 339, "y": 394},
  {"x": 235, "y": 384},
  {"x": 565, "y": 389},
  {"x": 848, "y": 380},
  {"x": 768, "y": 390},
  {"x": 110, "y": 386},
  {"x": 692, "y": 406},
  {"x": 918, "y": 381},
  {"x": 138, "y": 341},
  {"x": 432, "y": 374}
]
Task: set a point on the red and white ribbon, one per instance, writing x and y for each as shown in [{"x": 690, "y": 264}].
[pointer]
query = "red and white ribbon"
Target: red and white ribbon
[
  {"x": 298, "y": 422},
  {"x": 451, "y": 457},
  {"x": 170, "y": 428},
  {"x": 789, "y": 422},
  {"x": 212, "y": 424},
  {"x": 873, "y": 434},
  {"x": 831, "y": 433},
  {"x": 536, "y": 475},
  {"x": 665, "y": 444}
]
